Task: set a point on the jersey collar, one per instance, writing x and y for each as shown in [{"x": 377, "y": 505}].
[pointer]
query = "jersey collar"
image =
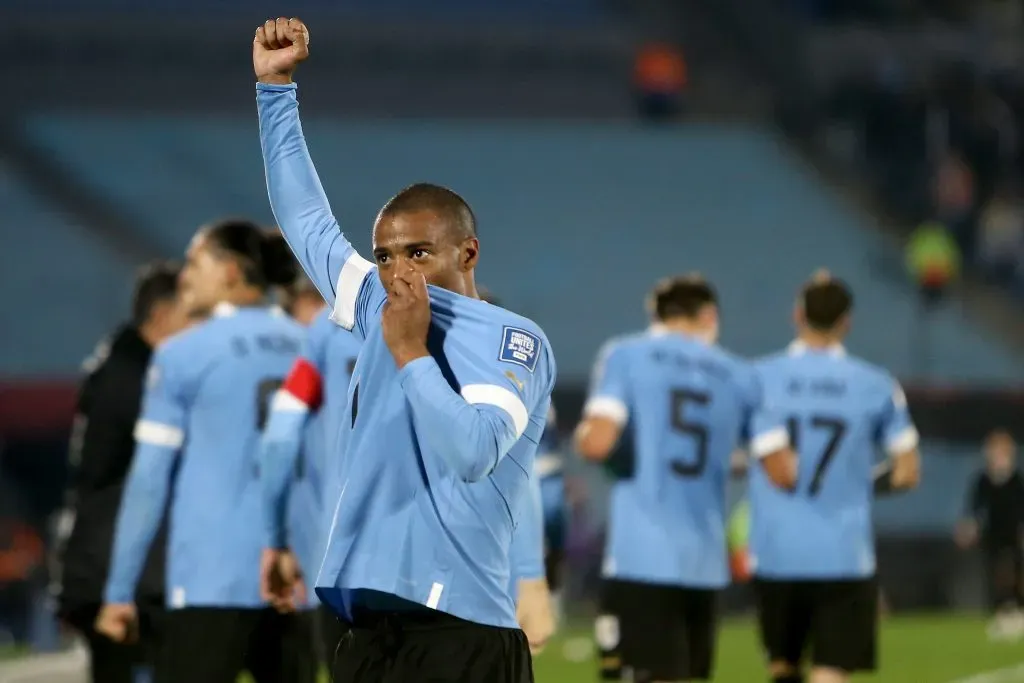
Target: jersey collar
[
  {"x": 798, "y": 348},
  {"x": 224, "y": 309}
]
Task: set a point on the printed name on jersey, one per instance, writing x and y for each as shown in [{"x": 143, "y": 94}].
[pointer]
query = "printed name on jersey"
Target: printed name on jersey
[{"x": 520, "y": 347}]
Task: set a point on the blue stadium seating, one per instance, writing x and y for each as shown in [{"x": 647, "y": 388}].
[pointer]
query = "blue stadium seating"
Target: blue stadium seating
[
  {"x": 577, "y": 220},
  {"x": 62, "y": 290}
]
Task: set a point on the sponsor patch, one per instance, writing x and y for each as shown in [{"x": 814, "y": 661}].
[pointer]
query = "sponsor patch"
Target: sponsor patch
[{"x": 520, "y": 347}]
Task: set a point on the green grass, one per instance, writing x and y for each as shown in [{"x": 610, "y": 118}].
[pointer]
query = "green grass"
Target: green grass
[{"x": 928, "y": 649}]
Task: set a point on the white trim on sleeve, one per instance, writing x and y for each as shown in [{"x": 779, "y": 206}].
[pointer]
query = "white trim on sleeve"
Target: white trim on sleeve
[
  {"x": 287, "y": 402},
  {"x": 350, "y": 279},
  {"x": 159, "y": 434},
  {"x": 500, "y": 397},
  {"x": 607, "y": 407},
  {"x": 904, "y": 441},
  {"x": 771, "y": 441}
]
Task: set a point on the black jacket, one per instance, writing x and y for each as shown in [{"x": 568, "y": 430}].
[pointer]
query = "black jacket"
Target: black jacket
[{"x": 101, "y": 452}]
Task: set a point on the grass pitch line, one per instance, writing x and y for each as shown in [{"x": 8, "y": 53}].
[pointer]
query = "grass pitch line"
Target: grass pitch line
[{"x": 1010, "y": 674}]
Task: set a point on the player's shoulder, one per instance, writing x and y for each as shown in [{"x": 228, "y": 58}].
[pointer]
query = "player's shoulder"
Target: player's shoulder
[
  {"x": 516, "y": 338},
  {"x": 623, "y": 345},
  {"x": 189, "y": 343}
]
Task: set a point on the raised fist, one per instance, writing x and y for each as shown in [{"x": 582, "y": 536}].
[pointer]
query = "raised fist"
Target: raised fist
[{"x": 278, "y": 48}]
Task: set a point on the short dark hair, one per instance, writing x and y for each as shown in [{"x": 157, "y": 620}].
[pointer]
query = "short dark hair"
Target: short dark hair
[
  {"x": 826, "y": 300},
  {"x": 429, "y": 197},
  {"x": 155, "y": 283},
  {"x": 263, "y": 255},
  {"x": 682, "y": 296}
]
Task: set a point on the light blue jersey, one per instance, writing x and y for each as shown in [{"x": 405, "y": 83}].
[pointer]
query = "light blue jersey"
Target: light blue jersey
[
  {"x": 438, "y": 455},
  {"x": 688, "y": 405},
  {"x": 300, "y": 449},
  {"x": 841, "y": 412},
  {"x": 207, "y": 397}
]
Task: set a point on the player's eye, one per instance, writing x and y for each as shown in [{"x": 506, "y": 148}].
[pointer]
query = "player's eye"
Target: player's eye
[
  {"x": 419, "y": 253},
  {"x": 382, "y": 258}
]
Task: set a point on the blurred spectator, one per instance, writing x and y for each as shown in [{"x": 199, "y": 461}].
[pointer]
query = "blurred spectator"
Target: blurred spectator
[
  {"x": 954, "y": 198},
  {"x": 1000, "y": 243},
  {"x": 660, "y": 78},
  {"x": 994, "y": 515}
]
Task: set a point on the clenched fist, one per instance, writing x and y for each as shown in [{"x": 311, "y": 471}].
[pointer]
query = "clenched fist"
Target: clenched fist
[{"x": 280, "y": 45}]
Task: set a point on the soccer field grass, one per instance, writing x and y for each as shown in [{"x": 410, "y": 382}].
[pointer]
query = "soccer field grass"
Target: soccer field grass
[
  {"x": 929, "y": 649},
  {"x": 923, "y": 649}
]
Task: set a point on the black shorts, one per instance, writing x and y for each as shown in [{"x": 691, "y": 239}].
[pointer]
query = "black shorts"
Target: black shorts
[
  {"x": 838, "y": 620},
  {"x": 658, "y": 632},
  {"x": 330, "y": 631},
  {"x": 214, "y": 645},
  {"x": 430, "y": 647}
]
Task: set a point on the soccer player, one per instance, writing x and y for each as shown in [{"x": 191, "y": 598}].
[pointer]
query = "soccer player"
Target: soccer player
[
  {"x": 101, "y": 453},
  {"x": 300, "y": 458},
  {"x": 994, "y": 515},
  {"x": 812, "y": 550},
  {"x": 207, "y": 395},
  {"x": 685, "y": 405},
  {"x": 447, "y": 404}
]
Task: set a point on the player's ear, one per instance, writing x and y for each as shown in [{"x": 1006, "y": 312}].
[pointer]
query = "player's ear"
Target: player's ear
[{"x": 469, "y": 254}]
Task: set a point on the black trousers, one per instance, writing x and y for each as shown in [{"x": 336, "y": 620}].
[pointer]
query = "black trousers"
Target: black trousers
[
  {"x": 430, "y": 647},
  {"x": 214, "y": 645},
  {"x": 111, "y": 662},
  {"x": 1004, "y": 569}
]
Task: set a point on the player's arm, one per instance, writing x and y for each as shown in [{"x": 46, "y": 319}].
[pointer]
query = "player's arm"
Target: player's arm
[
  {"x": 474, "y": 428},
  {"x": 533, "y": 595},
  {"x": 966, "y": 533},
  {"x": 901, "y": 471},
  {"x": 296, "y": 194},
  {"x": 281, "y": 443},
  {"x": 769, "y": 446},
  {"x": 607, "y": 408},
  {"x": 159, "y": 434},
  {"x": 528, "y": 541}
]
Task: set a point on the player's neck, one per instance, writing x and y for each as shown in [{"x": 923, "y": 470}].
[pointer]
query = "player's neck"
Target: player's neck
[
  {"x": 243, "y": 297},
  {"x": 818, "y": 341},
  {"x": 683, "y": 327},
  {"x": 151, "y": 333}
]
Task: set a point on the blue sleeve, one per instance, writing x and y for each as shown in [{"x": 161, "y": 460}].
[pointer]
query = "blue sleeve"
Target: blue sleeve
[
  {"x": 159, "y": 434},
  {"x": 497, "y": 400},
  {"x": 527, "y": 552},
  {"x": 347, "y": 281},
  {"x": 279, "y": 453},
  {"x": 609, "y": 395},
  {"x": 765, "y": 430},
  {"x": 896, "y": 432}
]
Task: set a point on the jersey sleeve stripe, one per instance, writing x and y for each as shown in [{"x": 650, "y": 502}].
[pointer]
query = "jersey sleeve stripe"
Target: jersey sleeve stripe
[
  {"x": 158, "y": 434},
  {"x": 608, "y": 407},
  {"x": 286, "y": 402},
  {"x": 905, "y": 440},
  {"x": 771, "y": 441},
  {"x": 350, "y": 279},
  {"x": 500, "y": 397}
]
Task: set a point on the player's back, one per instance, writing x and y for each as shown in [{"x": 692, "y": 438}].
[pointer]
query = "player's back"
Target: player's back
[
  {"x": 228, "y": 369},
  {"x": 687, "y": 402},
  {"x": 839, "y": 410}
]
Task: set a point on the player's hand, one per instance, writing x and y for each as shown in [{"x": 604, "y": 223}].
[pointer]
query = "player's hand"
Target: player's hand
[
  {"x": 281, "y": 582},
  {"x": 119, "y": 622},
  {"x": 406, "y": 317},
  {"x": 279, "y": 47},
  {"x": 966, "y": 533},
  {"x": 534, "y": 613}
]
